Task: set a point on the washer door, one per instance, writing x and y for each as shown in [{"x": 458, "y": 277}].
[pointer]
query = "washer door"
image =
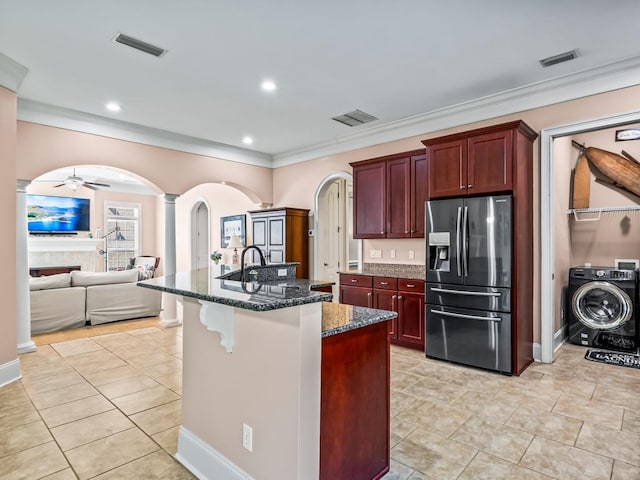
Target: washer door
[{"x": 601, "y": 305}]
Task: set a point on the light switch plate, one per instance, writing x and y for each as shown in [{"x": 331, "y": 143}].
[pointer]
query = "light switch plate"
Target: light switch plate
[
  {"x": 375, "y": 253},
  {"x": 412, "y": 254},
  {"x": 282, "y": 272}
]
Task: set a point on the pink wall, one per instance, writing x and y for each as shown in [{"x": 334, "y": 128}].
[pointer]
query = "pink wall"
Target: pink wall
[
  {"x": 42, "y": 149},
  {"x": 8, "y": 140}
]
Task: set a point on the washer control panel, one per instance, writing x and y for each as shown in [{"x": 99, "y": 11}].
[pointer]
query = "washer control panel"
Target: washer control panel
[{"x": 603, "y": 273}]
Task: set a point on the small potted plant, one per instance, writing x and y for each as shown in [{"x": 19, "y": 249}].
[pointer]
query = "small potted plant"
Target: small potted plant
[{"x": 216, "y": 256}]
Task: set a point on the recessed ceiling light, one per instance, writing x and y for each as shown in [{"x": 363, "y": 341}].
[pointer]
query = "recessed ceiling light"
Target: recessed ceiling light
[
  {"x": 268, "y": 85},
  {"x": 113, "y": 107},
  {"x": 247, "y": 140}
]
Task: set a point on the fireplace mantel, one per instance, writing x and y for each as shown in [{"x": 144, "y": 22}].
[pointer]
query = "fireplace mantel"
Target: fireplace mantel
[{"x": 61, "y": 250}]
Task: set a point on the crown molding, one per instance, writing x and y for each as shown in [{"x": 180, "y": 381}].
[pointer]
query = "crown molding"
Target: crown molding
[
  {"x": 11, "y": 73},
  {"x": 612, "y": 76},
  {"x": 53, "y": 116}
]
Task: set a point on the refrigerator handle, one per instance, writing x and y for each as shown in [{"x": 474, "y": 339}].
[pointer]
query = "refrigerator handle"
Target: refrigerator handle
[
  {"x": 458, "y": 250},
  {"x": 465, "y": 241}
]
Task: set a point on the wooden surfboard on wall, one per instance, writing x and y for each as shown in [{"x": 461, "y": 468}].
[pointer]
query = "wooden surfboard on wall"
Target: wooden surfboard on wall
[
  {"x": 581, "y": 184},
  {"x": 622, "y": 171}
]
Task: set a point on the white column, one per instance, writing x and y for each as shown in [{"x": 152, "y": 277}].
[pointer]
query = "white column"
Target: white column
[
  {"x": 169, "y": 314},
  {"x": 23, "y": 305}
]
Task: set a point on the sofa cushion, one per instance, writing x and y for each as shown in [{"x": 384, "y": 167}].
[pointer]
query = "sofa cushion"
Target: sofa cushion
[
  {"x": 60, "y": 280},
  {"x": 84, "y": 279}
]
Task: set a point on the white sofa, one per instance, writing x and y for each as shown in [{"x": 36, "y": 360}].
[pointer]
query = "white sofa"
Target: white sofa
[{"x": 70, "y": 300}]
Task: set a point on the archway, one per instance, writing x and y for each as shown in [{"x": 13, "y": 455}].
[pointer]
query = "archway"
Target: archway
[{"x": 334, "y": 249}]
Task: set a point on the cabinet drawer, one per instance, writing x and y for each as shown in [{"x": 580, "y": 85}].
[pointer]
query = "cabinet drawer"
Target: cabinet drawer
[
  {"x": 407, "y": 285},
  {"x": 364, "y": 281},
  {"x": 385, "y": 283}
]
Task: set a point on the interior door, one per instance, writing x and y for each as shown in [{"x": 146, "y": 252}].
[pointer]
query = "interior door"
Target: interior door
[
  {"x": 330, "y": 231},
  {"x": 200, "y": 237}
]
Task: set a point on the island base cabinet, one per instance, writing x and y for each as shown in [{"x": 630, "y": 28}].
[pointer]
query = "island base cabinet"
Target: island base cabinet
[{"x": 355, "y": 404}]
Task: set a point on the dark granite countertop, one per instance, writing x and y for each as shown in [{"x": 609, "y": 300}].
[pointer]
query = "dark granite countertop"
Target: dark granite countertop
[
  {"x": 412, "y": 272},
  {"x": 339, "y": 318},
  {"x": 257, "y": 296}
]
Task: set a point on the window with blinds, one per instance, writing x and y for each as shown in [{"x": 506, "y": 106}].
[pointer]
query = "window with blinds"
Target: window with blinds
[{"x": 122, "y": 223}]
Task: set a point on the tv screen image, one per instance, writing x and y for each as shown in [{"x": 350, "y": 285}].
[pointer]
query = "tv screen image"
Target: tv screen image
[{"x": 48, "y": 213}]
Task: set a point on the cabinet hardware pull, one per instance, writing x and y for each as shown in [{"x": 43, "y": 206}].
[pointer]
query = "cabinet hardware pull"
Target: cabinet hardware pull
[
  {"x": 410, "y": 285},
  {"x": 353, "y": 280},
  {"x": 469, "y": 317},
  {"x": 465, "y": 292},
  {"x": 384, "y": 283},
  {"x": 462, "y": 187},
  {"x": 470, "y": 186}
]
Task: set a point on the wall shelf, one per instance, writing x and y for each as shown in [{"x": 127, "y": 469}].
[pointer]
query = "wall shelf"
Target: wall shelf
[{"x": 593, "y": 214}]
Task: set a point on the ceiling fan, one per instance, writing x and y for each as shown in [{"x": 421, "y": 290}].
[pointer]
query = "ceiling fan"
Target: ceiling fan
[{"x": 74, "y": 182}]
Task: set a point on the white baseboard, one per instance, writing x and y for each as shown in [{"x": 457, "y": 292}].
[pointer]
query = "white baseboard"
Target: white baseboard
[
  {"x": 10, "y": 372},
  {"x": 558, "y": 340},
  {"x": 205, "y": 462}
]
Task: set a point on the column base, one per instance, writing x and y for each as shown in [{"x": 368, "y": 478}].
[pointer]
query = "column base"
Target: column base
[
  {"x": 170, "y": 322},
  {"x": 27, "y": 347}
]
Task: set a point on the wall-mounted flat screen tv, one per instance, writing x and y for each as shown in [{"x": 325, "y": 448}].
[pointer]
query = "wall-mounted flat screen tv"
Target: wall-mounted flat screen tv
[{"x": 51, "y": 214}]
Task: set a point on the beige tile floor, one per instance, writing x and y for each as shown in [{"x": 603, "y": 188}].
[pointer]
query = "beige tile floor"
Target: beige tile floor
[{"x": 105, "y": 404}]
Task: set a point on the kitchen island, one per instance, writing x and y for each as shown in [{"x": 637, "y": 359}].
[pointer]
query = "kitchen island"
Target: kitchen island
[{"x": 279, "y": 383}]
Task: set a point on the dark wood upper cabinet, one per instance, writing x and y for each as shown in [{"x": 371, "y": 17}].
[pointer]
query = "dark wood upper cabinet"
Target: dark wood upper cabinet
[
  {"x": 398, "y": 198},
  {"x": 447, "y": 168},
  {"x": 476, "y": 162},
  {"x": 490, "y": 162},
  {"x": 389, "y": 196},
  {"x": 369, "y": 200}
]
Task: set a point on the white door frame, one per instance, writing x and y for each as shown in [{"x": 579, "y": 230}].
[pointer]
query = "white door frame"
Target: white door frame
[
  {"x": 549, "y": 338},
  {"x": 316, "y": 198}
]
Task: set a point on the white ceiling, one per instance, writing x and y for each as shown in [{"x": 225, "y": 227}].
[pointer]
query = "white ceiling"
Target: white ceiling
[{"x": 394, "y": 60}]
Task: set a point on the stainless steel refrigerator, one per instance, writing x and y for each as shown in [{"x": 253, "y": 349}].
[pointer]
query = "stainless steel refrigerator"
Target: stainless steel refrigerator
[{"x": 468, "y": 291}]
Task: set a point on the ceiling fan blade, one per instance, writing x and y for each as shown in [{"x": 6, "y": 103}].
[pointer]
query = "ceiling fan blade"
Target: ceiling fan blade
[
  {"x": 97, "y": 184},
  {"x": 89, "y": 186},
  {"x": 59, "y": 185}
]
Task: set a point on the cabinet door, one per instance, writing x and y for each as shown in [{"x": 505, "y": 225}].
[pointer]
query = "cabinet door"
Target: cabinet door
[
  {"x": 259, "y": 229},
  {"x": 411, "y": 319},
  {"x": 387, "y": 300},
  {"x": 398, "y": 223},
  {"x": 369, "y": 200},
  {"x": 447, "y": 169},
  {"x": 419, "y": 194},
  {"x": 490, "y": 163},
  {"x": 360, "y": 297},
  {"x": 275, "y": 241}
]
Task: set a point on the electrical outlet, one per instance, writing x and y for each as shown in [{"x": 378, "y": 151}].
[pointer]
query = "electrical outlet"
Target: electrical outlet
[
  {"x": 412, "y": 254},
  {"x": 282, "y": 272},
  {"x": 375, "y": 253},
  {"x": 392, "y": 253},
  {"x": 247, "y": 437}
]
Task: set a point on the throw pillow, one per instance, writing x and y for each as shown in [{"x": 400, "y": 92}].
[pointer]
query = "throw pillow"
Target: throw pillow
[{"x": 145, "y": 271}]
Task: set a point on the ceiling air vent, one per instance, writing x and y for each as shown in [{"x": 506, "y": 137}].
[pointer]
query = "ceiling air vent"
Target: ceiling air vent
[
  {"x": 561, "y": 57},
  {"x": 355, "y": 118},
  {"x": 140, "y": 45}
]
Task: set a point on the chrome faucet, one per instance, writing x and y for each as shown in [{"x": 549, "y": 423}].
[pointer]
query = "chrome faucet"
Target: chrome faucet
[{"x": 244, "y": 250}]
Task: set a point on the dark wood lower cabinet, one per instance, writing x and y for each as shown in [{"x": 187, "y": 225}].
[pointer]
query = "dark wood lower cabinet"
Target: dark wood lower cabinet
[
  {"x": 355, "y": 404},
  {"x": 401, "y": 295}
]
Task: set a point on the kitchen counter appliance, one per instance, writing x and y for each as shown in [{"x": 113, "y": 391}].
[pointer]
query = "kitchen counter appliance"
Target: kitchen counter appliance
[{"x": 468, "y": 291}]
